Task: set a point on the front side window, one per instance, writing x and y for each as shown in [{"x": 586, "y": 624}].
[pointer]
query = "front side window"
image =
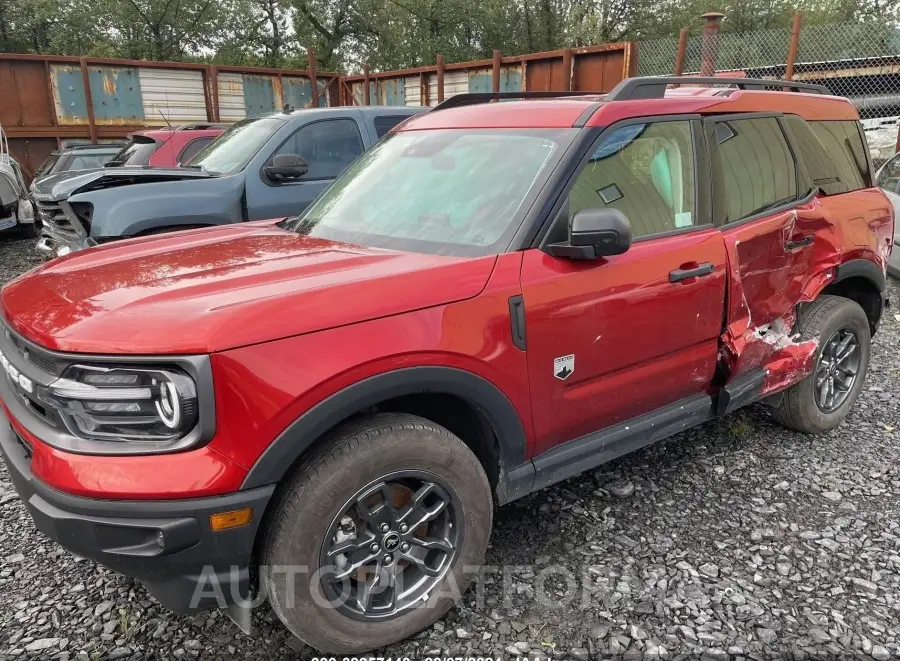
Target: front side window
[
  {"x": 444, "y": 191},
  {"x": 646, "y": 171},
  {"x": 757, "y": 170},
  {"x": 328, "y": 146},
  {"x": 231, "y": 152}
]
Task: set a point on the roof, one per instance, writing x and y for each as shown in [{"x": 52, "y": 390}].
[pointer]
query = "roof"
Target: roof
[{"x": 594, "y": 110}]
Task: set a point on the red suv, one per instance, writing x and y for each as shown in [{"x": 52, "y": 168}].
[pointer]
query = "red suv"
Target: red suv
[
  {"x": 324, "y": 411},
  {"x": 166, "y": 148}
]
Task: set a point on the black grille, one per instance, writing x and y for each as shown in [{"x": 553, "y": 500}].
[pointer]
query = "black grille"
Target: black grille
[
  {"x": 53, "y": 214},
  {"x": 33, "y": 354},
  {"x": 26, "y": 446}
]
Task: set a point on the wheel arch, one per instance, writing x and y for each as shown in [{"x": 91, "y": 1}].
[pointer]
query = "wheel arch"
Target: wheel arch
[
  {"x": 862, "y": 281},
  {"x": 468, "y": 405}
]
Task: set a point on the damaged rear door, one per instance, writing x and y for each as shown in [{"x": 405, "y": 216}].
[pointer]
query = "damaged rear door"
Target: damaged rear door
[{"x": 770, "y": 218}]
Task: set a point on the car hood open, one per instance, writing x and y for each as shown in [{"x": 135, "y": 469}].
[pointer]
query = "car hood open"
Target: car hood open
[
  {"x": 60, "y": 186},
  {"x": 208, "y": 290}
]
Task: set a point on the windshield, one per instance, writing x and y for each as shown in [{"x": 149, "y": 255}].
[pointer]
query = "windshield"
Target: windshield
[
  {"x": 47, "y": 165},
  {"x": 232, "y": 150},
  {"x": 449, "y": 192}
]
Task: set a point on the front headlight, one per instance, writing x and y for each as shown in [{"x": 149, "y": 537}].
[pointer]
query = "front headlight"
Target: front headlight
[{"x": 124, "y": 403}]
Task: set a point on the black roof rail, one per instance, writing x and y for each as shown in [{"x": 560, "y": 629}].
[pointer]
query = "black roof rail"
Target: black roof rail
[
  {"x": 99, "y": 145},
  {"x": 630, "y": 89},
  {"x": 654, "y": 87},
  {"x": 474, "y": 98}
]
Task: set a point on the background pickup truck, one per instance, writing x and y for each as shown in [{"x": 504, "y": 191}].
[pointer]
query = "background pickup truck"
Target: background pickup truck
[{"x": 262, "y": 167}]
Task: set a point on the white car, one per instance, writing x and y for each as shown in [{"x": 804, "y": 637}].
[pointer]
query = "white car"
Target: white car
[{"x": 888, "y": 178}]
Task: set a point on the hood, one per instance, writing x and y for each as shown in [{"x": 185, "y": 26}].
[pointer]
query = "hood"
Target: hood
[
  {"x": 214, "y": 289},
  {"x": 60, "y": 186}
]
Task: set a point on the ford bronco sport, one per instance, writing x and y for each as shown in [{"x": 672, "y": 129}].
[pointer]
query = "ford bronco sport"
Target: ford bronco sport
[{"x": 325, "y": 410}]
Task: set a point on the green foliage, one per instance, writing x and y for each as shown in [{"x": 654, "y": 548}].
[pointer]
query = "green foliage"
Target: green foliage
[{"x": 385, "y": 34}]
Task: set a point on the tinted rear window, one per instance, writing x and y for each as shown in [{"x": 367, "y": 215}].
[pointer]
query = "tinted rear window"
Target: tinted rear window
[
  {"x": 137, "y": 152},
  {"x": 757, "y": 168},
  {"x": 844, "y": 143},
  {"x": 386, "y": 123}
]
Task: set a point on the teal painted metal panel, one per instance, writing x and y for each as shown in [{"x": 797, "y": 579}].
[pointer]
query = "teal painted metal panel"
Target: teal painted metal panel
[
  {"x": 116, "y": 93},
  {"x": 259, "y": 96},
  {"x": 298, "y": 92},
  {"x": 70, "y": 94},
  {"x": 393, "y": 91},
  {"x": 510, "y": 81}
]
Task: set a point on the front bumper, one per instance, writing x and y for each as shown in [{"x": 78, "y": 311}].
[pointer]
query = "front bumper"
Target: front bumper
[
  {"x": 55, "y": 244},
  {"x": 167, "y": 545}
]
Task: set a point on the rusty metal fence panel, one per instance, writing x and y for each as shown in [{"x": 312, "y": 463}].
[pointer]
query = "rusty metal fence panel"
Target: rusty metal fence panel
[
  {"x": 592, "y": 68},
  {"x": 172, "y": 96}
]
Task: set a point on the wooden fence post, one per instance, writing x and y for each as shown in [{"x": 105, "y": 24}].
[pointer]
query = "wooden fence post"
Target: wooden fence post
[
  {"x": 366, "y": 95},
  {"x": 440, "y": 78},
  {"x": 682, "y": 51},
  {"x": 792, "y": 49},
  {"x": 311, "y": 72},
  {"x": 495, "y": 78},
  {"x": 567, "y": 70}
]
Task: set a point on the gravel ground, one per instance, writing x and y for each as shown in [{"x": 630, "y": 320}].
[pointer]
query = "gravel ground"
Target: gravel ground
[{"x": 738, "y": 538}]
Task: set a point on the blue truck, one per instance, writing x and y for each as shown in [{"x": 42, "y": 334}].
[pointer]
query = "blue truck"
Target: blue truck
[{"x": 267, "y": 166}]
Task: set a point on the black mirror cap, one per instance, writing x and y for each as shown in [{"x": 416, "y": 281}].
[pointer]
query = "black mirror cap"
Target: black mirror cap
[
  {"x": 286, "y": 166},
  {"x": 607, "y": 231}
]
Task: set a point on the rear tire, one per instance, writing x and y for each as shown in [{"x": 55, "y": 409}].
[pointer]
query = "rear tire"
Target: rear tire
[
  {"x": 29, "y": 230},
  {"x": 332, "y": 488},
  {"x": 832, "y": 320}
]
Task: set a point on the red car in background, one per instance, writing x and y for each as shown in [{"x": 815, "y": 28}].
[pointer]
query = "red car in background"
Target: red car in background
[{"x": 166, "y": 148}]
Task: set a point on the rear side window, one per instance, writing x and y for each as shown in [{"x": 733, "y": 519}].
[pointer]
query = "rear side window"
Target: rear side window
[
  {"x": 386, "y": 123},
  {"x": 756, "y": 168},
  {"x": 192, "y": 148},
  {"x": 844, "y": 143},
  {"x": 137, "y": 152}
]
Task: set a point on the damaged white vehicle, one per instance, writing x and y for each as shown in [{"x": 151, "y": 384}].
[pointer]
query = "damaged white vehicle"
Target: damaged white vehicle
[
  {"x": 888, "y": 179},
  {"x": 16, "y": 207}
]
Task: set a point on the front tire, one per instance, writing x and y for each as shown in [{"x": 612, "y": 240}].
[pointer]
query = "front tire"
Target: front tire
[
  {"x": 389, "y": 517},
  {"x": 822, "y": 400}
]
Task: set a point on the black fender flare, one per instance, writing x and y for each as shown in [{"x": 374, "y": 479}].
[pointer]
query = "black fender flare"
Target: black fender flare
[
  {"x": 283, "y": 452},
  {"x": 862, "y": 268}
]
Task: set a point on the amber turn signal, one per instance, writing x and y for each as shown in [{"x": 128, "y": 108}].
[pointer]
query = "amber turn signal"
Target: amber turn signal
[{"x": 233, "y": 519}]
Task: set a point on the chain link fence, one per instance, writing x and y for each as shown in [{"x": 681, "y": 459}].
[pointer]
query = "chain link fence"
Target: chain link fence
[{"x": 858, "y": 60}]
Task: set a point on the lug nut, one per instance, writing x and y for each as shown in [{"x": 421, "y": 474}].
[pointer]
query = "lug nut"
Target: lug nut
[
  {"x": 388, "y": 558},
  {"x": 374, "y": 547},
  {"x": 404, "y": 547},
  {"x": 403, "y": 527},
  {"x": 384, "y": 527}
]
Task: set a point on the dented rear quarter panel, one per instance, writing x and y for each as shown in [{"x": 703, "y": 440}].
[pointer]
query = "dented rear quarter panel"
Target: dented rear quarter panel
[{"x": 768, "y": 280}]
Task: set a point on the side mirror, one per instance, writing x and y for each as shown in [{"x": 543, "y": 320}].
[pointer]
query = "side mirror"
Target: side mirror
[
  {"x": 595, "y": 233},
  {"x": 285, "y": 167}
]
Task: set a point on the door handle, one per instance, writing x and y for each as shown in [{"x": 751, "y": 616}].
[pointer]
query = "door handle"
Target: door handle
[
  {"x": 693, "y": 272},
  {"x": 802, "y": 242}
]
